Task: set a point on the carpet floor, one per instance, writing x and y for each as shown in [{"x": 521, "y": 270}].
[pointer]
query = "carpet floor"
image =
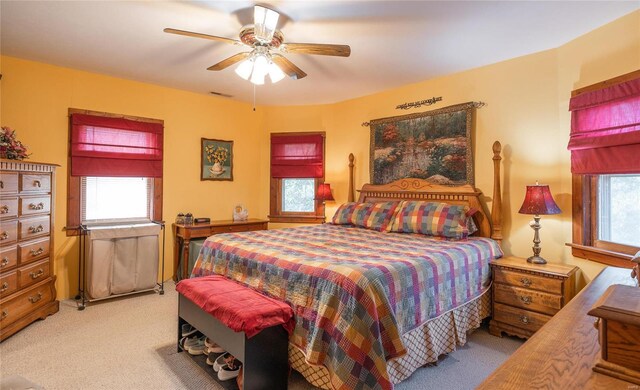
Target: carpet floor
[{"x": 129, "y": 343}]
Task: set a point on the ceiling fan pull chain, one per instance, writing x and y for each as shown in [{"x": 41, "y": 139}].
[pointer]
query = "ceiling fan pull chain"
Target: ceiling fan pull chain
[{"x": 254, "y": 97}]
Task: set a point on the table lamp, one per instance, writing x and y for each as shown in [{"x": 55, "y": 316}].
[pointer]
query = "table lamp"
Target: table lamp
[
  {"x": 324, "y": 194},
  {"x": 538, "y": 201}
]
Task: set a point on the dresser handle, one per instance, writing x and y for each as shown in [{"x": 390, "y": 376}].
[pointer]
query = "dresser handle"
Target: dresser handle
[
  {"x": 526, "y": 299},
  {"x": 36, "y": 275},
  {"x": 36, "y": 183},
  {"x": 37, "y": 229},
  {"x": 4, "y": 236},
  {"x": 4, "y": 314},
  {"x": 36, "y": 252},
  {"x": 5, "y": 286},
  {"x": 5, "y": 261},
  {"x": 525, "y": 282},
  {"x": 4, "y": 209},
  {"x": 35, "y": 298},
  {"x": 1, "y": 186},
  {"x": 38, "y": 206},
  {"x": 524, "y": 319}
]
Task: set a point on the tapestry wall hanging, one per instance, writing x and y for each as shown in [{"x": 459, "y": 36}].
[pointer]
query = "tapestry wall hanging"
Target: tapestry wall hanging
[{"x": 433, "y": 145}]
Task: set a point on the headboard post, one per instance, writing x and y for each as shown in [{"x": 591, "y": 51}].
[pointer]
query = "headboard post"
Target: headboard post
[
  {"x": 351, "y": 197},
  {"x": 496, "y": 206}
]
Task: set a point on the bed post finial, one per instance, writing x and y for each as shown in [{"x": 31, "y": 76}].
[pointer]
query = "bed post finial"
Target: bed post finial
[
  {"x": 351, "y": 196},
  {"x": 496, "y": 205}
]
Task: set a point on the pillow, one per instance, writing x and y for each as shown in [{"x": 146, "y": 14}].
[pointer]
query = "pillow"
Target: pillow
[
  {"x": 471, "y": 224},
  {"x": 375, "y": 216},
  {"x": 344, "y": 214},
  {"x": 433, "y": 219}
]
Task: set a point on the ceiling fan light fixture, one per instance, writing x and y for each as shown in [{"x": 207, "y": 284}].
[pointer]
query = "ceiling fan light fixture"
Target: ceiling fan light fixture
[
  {"x": 275, "y": 73},
  {"x": 245, "y": 68},
  {"x": 265, "y": 22},
  {"x": 260, "y": 69}
]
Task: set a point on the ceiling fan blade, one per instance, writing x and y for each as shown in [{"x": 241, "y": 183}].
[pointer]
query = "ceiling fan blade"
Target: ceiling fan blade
[
  {"x": 288, "y": 67},
  {"x": 265, "y": 21},
  {"x": 317, "y": 49},
  {"x": 200, "y": 35},
  {"x": 234, "y": 59}
]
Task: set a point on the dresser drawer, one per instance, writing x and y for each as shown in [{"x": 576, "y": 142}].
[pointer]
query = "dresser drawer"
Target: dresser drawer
[
  {"x": 30, "y": 182},
  {"x": 8, "y": 183},
  {"x": 35, "y": 205},
  {"x": 27, "y": 301},
  {"x": 8, "y": 232},
  {"x": 8, "y": 257},
  {"x": 8, "y": 283},
  {"x": 33, "y": 250},
  {"x": 9, "y": 207},
  {"x": 33, "y": 273},
  {"x": 520, "y": 318},
  {"x": 518, "y": 279},
  {"x": 527, "y": 299},
  {"x": 33, "y": 227}
]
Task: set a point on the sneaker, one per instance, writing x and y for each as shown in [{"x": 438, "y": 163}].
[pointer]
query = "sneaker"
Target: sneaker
[
  {"x": 187, "y": 342},
  {"x": 221, "y": 361},
  {"x": 198, "y": 348},
  {"x": 212, "y": 347},
  {"x": 229, "y": 371},
  {"x": 190, "y": 341},
  {"x": 188, "y": 330},
  {"x": 211, "y": 359}
]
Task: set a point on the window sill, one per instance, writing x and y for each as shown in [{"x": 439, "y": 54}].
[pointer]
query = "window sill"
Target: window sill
[
  {"x": 296, "y": 219},
  {"x": 603, "y": 256}
]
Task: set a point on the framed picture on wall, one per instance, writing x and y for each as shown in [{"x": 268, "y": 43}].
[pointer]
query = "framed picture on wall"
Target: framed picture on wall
[{"x": 216, "y": 160}]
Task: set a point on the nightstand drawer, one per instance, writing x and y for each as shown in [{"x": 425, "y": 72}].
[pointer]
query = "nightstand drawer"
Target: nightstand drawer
[
  {"x": 525, "y": 280},
  {"x": 527, "y": 299},
  {"x": 520, "y": 318}
]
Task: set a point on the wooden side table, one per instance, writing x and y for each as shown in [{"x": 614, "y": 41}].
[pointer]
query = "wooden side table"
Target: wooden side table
[
  {"x": 183, "y": 234},
  {"x": 525, "y": 296}
]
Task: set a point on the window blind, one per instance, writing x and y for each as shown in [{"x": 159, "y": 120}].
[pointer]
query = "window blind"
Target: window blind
[
  {"x": 297, "y": 156},
  {"x": 110, "y": 200}
]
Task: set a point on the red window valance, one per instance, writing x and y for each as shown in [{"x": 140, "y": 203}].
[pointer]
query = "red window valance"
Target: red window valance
[
  {"x": 297, "y": 156},
  {"x": 605, "y": 130},
  {"x": 118, "y": 147}
]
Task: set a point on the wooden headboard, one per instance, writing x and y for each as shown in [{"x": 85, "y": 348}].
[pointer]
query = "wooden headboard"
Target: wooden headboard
[{"x": 419, "y": 189}]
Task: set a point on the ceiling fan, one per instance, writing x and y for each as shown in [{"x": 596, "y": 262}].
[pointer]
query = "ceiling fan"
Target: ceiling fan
[{"x": 266, "y": 44}]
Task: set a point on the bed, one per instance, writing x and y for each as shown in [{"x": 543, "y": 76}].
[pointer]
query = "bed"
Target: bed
[{"x": 371, "y": 307}]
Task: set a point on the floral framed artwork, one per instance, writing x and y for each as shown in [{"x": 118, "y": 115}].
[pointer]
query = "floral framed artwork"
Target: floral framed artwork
[
  {"x": 216, "y": 160},
  {"x": 433, "y": 145}
]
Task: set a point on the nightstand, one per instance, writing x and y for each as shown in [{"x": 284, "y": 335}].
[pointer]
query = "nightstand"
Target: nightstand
[{"x": 525, "y": 296}]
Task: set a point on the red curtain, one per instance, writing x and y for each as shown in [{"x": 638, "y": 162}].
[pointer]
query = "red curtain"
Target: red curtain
[
  {"x": 297, "y": 156},
  {"x": 605, "y": 130},
  {"x": 103, "y": 146}
]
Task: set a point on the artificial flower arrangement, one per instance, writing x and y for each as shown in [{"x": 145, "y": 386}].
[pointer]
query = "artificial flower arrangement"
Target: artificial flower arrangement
[{"x": 10, "y": 147}]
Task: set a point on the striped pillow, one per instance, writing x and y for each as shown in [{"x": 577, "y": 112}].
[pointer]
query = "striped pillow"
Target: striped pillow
[
  {"x": 344, "y": 214},
  {"x": 433, "y": 219},
  {"x": 375, "y": 216}
]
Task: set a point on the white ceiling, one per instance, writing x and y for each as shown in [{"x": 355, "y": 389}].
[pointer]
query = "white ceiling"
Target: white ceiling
[{"x": 393, "y": 43}]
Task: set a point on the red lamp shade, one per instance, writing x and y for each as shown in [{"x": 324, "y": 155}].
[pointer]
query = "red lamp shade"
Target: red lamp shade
[
  {"x": 538, "y": 201},
  {"x": 324, "y": 192}
]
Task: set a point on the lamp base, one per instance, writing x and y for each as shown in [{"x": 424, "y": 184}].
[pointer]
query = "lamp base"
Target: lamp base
[{"x": 536, "y": 260}]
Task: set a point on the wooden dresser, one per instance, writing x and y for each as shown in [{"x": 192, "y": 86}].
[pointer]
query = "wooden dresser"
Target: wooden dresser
[
  {"x": 561, "y": 355},
  {"x": 526, "y": 296},
  {"x": 27, "y": 283},
  {"x": 182, "y": 235}
]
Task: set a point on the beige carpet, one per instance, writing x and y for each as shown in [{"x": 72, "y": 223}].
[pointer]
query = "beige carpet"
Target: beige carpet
[{"x": 129, "y": 343}]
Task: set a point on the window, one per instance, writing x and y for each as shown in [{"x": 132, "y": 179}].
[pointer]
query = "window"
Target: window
[
  {"x": 604, "y": 144},
  {"x": 115, "y": 169},
  {"x": 297, "y": 169}
]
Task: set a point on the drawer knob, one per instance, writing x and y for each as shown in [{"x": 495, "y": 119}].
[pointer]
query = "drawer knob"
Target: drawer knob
[
  {"x": 37, "y": 252},
  {"x": 36, "y": 229},
  {"x": 36, "y": 275},
  {"x": 4, "y": 314},
  {"x": 5, "y": 287},
  {"x": 33, "y": 206},
  {"x": 525, "y": 282},
  {"x": 36, "y": 183},
  {"x": 35, "y": 298},
  {"x": 4, "y": 236},
  {"x": 526, "y": 299},
  {"x": 4, "y": 209},
  {"x": 5, "y": 261},
  {"x": 524, "y": 319}
]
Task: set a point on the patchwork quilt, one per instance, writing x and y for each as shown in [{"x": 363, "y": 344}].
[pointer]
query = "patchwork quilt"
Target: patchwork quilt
[{"x": 353, "y": 291}]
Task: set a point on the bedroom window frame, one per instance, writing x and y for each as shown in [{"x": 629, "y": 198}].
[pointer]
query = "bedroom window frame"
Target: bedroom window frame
[
  {"x": 585, "y": 188},
  {"x": 74, "y": 183},
  {"x": 276, "y": 212}
]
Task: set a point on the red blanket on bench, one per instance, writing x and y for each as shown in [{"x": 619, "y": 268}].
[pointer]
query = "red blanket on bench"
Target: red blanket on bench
[{"x": 240, "y": 308}]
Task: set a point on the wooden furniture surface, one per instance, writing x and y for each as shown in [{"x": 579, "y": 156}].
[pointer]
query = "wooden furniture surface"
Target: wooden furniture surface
[
  {"x": 183, "y": 234},
  {"x": 562, "y": 353},
  {"x": 27, "y": 283},
  {"x": 525, "y": 296}
]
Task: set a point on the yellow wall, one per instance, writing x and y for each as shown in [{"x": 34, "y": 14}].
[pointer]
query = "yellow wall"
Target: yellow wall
[{"x": 527, "y": 100}]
